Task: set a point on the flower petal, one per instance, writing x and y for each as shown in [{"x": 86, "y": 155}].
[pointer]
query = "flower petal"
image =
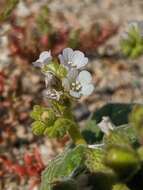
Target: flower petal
[
  {"x": 68, "y": 54},
  {"x": 75, "y": 94},
  {"x": 84, "y": 77},
  {"x": 78, "y": 59},
  {"x": 72, "y": 75},
  {"x": 87, "y": 89},
  {"x": 45, "y": 55},
  {"x": 37, "y": 63},
  {"x": 66, "y": 84},
  {"x": 61, "y": 58}
]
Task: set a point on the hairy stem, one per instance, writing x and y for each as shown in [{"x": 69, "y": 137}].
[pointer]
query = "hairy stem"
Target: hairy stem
[{"x": 76, "y": 135}]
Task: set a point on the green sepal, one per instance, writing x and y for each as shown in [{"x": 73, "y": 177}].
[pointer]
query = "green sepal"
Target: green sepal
[
  {"x": 59, "y": 129},
  {"x": 57, "y": 69},
  {"x": 36, "y": 112},
  {"x": 45, "y": 115}
]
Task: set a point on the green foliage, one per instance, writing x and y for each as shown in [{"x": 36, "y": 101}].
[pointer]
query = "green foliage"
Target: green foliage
[
  {"x": 132, "y": 46},
  {"x": 117, "y": 112},
  {"x": 7, "y": 9},
  {"x": 120, "y": 186},
  {"x": 44, "y": 117},
  {"x": 74, "y": 40},
  {"x": 38, "y": 127},
  {"x": 115, "y": 164},
  {"x": 62, "y": 167},
  {"x": 124, "y": 161},
  {"x": 59, "y": 129},
  {"x": 92, "y": 132},
  {"x": 44, "y": 25},
  {"x": 117, "y": 137},
  {"x": 95, "y": 161},
  {"x": 136, "y": 119},
  {"x": 57, "y": 69}
]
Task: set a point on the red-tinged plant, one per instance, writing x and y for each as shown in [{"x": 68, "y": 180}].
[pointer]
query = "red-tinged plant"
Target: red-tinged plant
[
  {"x": 30, "y": 169},
  {"x": 1, "y": 82},
  {"x": 96, "y": 36}
]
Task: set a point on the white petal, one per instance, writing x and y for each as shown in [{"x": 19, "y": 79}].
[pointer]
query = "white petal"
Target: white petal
[
  {"x": 45, "y": 56},
  {"x": 75, "y": 94},
  {"x": 87, "y": 89},
  {"x": 37, "y": 63},
  {"x": 61, "y": 58},
  {"x": 72, "y": 75},
  {"x": 84, "y": 77},
  {"x": 68, "y": 54},
  {"x": 78, "y": 59},
  {"x": 66, "y": 84}
]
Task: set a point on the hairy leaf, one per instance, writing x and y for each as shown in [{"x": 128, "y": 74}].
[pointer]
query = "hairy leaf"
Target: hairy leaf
[{"x": 62, "y": 167}]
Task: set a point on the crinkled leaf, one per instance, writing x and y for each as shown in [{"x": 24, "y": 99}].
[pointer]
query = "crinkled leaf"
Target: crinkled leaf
[
  {"x": 95, "y": 161},
  {"x": 62, "y": 167},
  {"x": 119, "y": 137}
]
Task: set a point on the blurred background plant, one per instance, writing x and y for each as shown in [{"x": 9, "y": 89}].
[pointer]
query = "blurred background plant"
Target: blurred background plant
[{"x": 31, "y": 26}]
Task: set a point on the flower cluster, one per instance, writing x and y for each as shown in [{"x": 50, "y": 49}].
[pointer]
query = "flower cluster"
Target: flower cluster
[{"x": 68, "y": 77}]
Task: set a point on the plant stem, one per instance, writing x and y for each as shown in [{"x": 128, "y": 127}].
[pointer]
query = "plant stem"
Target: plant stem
[{"x": 76, "y": 135}]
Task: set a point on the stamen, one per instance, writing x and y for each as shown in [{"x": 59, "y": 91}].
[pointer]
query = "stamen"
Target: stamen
[{"x": 70, "y": 63}]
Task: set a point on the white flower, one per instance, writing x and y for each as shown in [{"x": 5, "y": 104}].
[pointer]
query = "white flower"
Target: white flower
[
  {"x": 44, "y": 58},
  {"x": 78, "y": 84},
  {"x": 105, "y": 125},
  {"x": 73, "y": 59}
]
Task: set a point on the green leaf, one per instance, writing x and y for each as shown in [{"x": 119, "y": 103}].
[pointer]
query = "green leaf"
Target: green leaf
[
  {"x": 38, "y": 128},
  {"x": 92, "y": 132},
  {"x": 117, "y": 137},
  {"x": 62, "y": 167},
  {"x": 132, "y": 46},
  {"x": 120, "y": 186},
  {"x": 136, "y": 119},
  {"x": 124, "y": 161},
  {"x": 117, "y": 112},
  {"x": 8, "y": 8},
  {"x": 65, "y": 185},
  {"x": 95, "y": 161}
]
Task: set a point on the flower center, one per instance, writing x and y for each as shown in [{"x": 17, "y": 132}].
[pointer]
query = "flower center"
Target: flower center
[
  {"x": 71, "y": 64},
  {"x": 76, "y": 86}
]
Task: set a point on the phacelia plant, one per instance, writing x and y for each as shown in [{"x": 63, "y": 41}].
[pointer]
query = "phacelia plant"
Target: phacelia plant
[{"x": 105, "y": 155}]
